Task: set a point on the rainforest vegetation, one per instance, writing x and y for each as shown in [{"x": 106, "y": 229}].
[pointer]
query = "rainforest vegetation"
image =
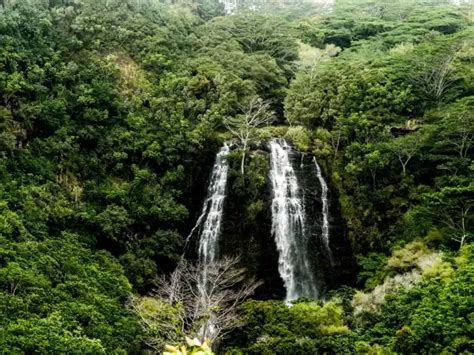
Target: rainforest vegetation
[{"x": 112, "y": 111}]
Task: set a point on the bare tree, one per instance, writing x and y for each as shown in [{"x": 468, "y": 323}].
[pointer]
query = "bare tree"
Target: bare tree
[
  {"x": 435, "y": 77},
  {"x": 256, "y": 114},
  {"x": 208, "y": 308},
  {"x": 461, "y": 126}
]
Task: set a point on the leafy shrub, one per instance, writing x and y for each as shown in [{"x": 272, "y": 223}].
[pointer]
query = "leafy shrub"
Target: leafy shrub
[{"x": 299, "y": 137}]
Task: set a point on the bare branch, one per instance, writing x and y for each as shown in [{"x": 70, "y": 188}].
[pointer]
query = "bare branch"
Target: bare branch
[
  {"x": 256, "y": 114},
  {"x": 207, "y": 308}
]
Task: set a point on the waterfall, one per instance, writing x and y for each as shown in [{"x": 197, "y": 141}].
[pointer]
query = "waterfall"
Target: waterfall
[
  {"x": 213, "y": 208},
  {"x": 288, "y": 225},
  {"x": 210, "y": 219},
  {"x": 209, "y": 224},
  {"x": 325, "y": 211}
]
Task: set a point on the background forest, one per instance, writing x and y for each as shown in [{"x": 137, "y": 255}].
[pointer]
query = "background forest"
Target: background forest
[{"x": 111, "y": 113}]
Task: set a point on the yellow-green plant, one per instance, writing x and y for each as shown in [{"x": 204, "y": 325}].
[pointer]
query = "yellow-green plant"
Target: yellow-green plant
[{"x": 192, "y": 347}]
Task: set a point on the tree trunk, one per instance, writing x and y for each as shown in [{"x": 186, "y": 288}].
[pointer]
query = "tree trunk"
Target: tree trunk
[{"x": 242, "y": 162}]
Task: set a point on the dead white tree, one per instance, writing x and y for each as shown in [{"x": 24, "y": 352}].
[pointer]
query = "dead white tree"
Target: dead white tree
[
  {"x": 434, "y": 78},
  {"x": 209, "y": 307},
  {"x": 256, "y": 114}
]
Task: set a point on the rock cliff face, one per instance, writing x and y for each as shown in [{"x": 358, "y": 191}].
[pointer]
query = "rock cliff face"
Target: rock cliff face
[
  {"x": 337, "y": 266},
  {"x": 247, "y": 225},
  {"x": 248, "y": 222}
]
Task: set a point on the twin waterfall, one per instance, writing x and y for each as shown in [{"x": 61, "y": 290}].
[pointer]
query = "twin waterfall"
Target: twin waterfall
[{"x": 288, "y": 220}]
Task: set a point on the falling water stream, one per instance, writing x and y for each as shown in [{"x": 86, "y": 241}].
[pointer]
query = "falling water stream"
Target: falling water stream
[
  {"x": 325, "y": 211},
  {"x": 288, "y": 221},
  {"x": 288, "y": 225},
  {"x": 213, "y": 211},
  {"x": 209, "y": 224}
]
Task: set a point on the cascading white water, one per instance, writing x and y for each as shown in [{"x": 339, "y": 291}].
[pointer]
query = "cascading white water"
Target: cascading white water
[
  {"x": 213, "y": 208},
  {"x": 325, "y": 211},
  {"x": 288, "y": 225},
  {"x": 211, "y": 221}
]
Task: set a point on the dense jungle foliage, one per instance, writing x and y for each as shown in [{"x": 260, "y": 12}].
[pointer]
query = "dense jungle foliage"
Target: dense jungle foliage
[{"x": 111, "y": 112}]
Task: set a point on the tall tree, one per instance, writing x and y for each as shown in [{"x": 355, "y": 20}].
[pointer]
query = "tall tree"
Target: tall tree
[{"x": 243, "y": 126}]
